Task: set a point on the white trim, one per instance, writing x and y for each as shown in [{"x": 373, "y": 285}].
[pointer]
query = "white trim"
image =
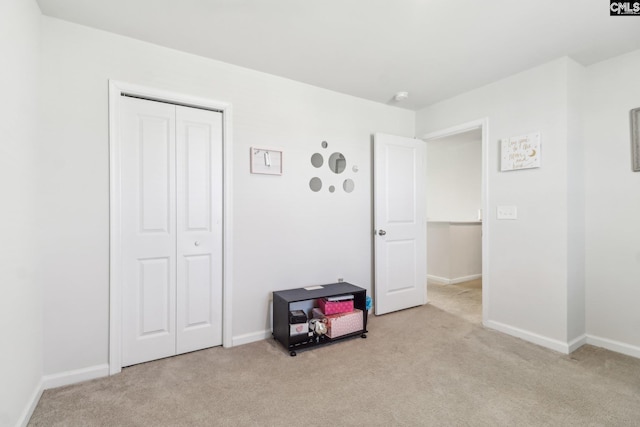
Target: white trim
[
  {"x": 252, "y": 337},
  {"x": 23, "y": 421},
  {"x": 482, "y": 124},
  {"x": 445, "y": 281},
  {"x": 577, "y": 343},
  {"x": 617, "y": 346},
  {"x": 438, "y": 280},
  {"x": 115, "y": 270},
  {"x": 75, "y": 376},
  {"x": 534, "y": 338},
  {"x": 465, "y": 279},
  {"x": 227, "y": 221},
  {"x": 116, "y": 88}
]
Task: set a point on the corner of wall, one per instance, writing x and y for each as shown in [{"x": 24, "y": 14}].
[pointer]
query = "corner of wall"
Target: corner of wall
[
  {"x": 21, "y": 303},
  {"x": 576, "y": 223},
  {"x": 31, "y": 404},
  {"x": 612, "y": 257}
]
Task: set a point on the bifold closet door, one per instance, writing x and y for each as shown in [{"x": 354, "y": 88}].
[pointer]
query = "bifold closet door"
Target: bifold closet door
[
  {"x": 171, "y": 221},
  {"x": 199, "y": 219}
]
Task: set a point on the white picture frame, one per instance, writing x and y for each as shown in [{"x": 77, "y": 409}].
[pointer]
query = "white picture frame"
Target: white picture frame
[
  {"x": 520, "y": 152},
  {"x": 266, "y": 161}
]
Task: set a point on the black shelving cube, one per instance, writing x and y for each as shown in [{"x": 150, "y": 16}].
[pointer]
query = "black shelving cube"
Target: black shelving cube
[{"x": 282, "y": 301}]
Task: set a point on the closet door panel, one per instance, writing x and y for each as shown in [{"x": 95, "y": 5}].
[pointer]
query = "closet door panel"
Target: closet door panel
[
  {"x": 199, "y": 223},
  {"x": 147, "y": 171}
]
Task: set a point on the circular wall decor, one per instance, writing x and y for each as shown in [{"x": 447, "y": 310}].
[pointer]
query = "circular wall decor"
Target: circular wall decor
[
  {"x": 348, "y": 185},
  {"x": 315, "y": 184},
  {"x": 337, "y": 163},
  {"x": 317, "y": 160}
]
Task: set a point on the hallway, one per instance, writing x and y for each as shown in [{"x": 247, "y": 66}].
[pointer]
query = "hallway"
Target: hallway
[{"x": 462, "y": 299}]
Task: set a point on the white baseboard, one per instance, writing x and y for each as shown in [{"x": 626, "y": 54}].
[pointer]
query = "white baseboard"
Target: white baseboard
[
  {"x": 75, "y": 376},
  {"x": 33, "y": 402},
  {"x": 252, "y": 337},
  {"x": 617, "y": 346},
  {"x": 577, "y": 343},
  {"x": 465, "y": 278},
  {"x": 543, "y": 341},
  {"x": 438, "y": 280},
  {"x": 445, "y": 281}
]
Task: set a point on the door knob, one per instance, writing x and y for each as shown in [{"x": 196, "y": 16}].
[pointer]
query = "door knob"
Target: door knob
[
  {"x": 197, "y": 243},
  {"x": 381, "y": 232}
]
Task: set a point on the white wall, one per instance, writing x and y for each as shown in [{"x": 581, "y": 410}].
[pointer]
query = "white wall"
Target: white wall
[
  {"x": 284, "y": 235},
  {"x": 454, "y": 252},
  {"x": 612, "y": 205},
  {"x": 466, "y": 244},
  {"x": 527, "y": 257},
  {"x": 454, "y": 178},
  {"x": 21, "y": 301},
  {"x": 438, "y": 252},
  {"x": 576, "y": 288}
]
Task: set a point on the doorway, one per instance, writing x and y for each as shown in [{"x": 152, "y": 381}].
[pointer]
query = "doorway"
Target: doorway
[
  {"x": 169, "y": 281},
  {"x": 457, "y": 167}
]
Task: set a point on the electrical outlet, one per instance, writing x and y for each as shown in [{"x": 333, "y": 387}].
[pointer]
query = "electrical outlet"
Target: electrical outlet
[
  {"x": 340, "y": 280},
  {"x": 507, "y": 212}
]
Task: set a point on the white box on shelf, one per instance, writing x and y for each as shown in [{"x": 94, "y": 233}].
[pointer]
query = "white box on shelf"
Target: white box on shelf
[{"x": 298, "y": 328}]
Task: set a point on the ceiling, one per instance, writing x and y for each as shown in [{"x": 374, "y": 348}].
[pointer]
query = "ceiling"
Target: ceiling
[{"x": 434, "y": 49}]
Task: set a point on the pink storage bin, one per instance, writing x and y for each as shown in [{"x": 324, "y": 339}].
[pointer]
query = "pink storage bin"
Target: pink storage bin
[
  {"x": 344, "y": 323},
  {"x": 335, "y": 307}
]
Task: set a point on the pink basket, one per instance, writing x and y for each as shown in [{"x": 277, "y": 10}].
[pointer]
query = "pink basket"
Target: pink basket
[
  {"x": 344, "y": 323},
  {"x": 335, "y": 307}
]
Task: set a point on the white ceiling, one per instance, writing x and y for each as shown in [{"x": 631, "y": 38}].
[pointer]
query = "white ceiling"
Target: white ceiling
[{"x": 434, "y": 49}]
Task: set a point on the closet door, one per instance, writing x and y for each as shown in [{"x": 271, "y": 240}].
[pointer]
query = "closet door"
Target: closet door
[
  {"x": 148, "y": 219},
  {"x": 199, "y": 224},
  {"x": 171, "y": 186}
]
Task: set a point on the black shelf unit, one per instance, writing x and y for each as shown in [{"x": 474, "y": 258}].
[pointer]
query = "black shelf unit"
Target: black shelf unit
[{"x": 282, "y": 301}]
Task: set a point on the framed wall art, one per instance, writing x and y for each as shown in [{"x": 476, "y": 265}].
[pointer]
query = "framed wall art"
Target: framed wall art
[
  {"x": 520, "y": 152},
  {"x": 266, "y": 161}
]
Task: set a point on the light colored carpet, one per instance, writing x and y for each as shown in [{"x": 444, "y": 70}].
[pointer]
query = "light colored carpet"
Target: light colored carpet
[
  {"x": 462, "y": 299},
  {"x": 422, "y": 366}
]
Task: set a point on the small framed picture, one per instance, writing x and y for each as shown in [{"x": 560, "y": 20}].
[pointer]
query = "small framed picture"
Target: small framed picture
[
  {"x": 635, "y": 139},
  {"x": 266, "y": 161},
  {"x": 520, "y": 152}
]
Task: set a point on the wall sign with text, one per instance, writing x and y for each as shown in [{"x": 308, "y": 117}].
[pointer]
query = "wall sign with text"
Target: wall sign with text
[
  {"x": 520, "y": 152},
  {"x": 624, "y": 8}
]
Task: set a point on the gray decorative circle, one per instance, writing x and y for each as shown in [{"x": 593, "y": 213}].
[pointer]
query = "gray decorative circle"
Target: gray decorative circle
[
  {"x": 348, "y": 185},
  {"x": 332, "y": 189},
  {"x": 315, "y": 184},
  {"x": 317, "y": 160},
  {"x": 355, "y": 168},
  {"x": 324, "y": 144}
]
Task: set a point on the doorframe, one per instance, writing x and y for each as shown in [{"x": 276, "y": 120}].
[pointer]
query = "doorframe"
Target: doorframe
[
  {"x": 483, "y": 125},
  {"x": 116, "y": 89}
]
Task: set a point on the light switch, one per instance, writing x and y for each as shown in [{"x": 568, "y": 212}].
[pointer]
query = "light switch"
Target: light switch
[{"x": 507, "y": 212}]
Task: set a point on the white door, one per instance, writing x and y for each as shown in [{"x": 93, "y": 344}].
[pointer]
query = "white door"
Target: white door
[
  {"x": 170, "y": 180},
  {"x": 199, "y": 217},
  {"x": 400, "y": 223}
]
